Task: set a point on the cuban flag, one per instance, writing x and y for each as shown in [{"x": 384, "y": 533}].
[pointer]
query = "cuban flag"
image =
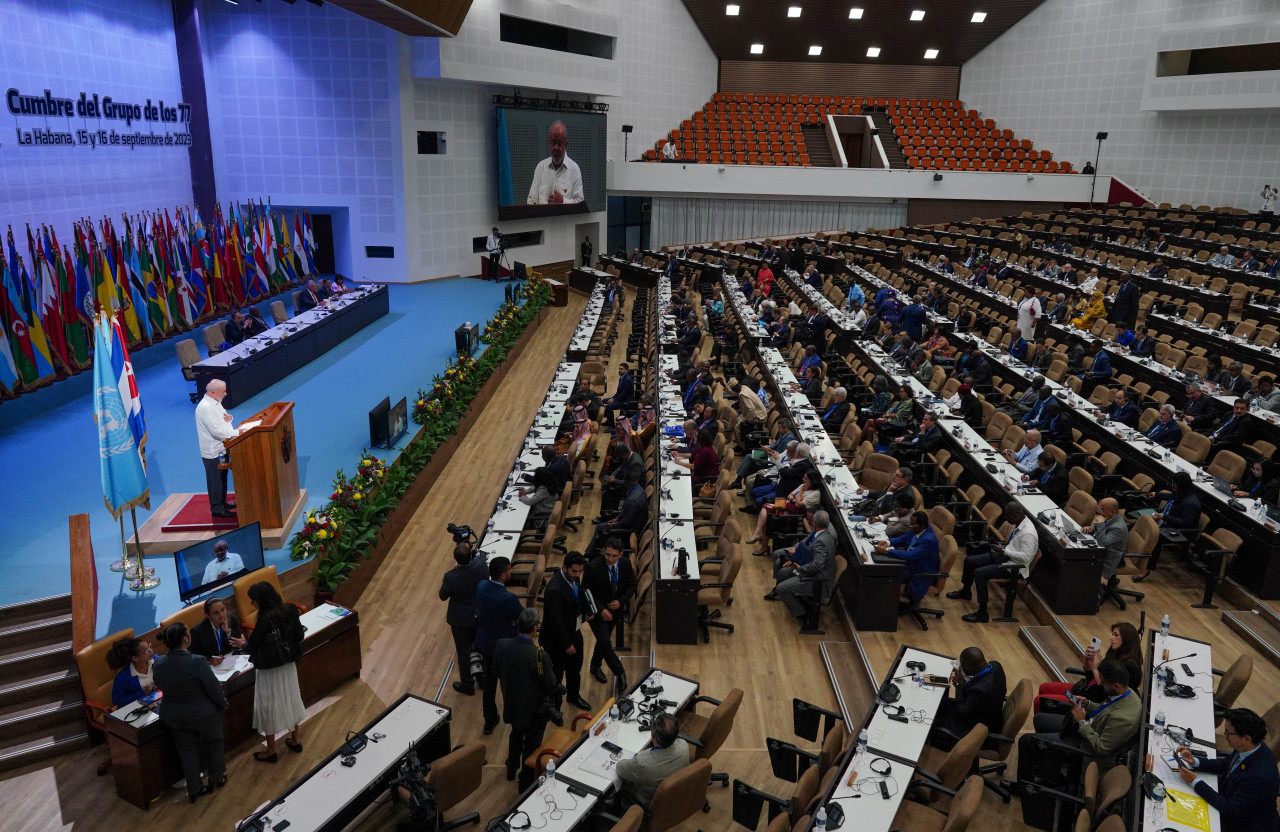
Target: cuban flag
[{"x": 118, "y": 412}]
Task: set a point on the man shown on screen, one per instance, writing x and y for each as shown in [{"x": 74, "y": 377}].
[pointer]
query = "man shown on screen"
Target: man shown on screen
[
  {"x": 223, "y": 565},
  {"x": 556, "y": 179}
]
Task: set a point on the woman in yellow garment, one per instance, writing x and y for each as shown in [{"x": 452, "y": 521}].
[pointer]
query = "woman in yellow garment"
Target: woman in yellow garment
[{"x": 1095, "y": 310}]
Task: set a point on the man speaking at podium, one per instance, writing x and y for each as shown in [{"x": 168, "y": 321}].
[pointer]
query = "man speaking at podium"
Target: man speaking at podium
[
  {"x": 557, "y": 179},
  {"x": 213, "y": 427}
]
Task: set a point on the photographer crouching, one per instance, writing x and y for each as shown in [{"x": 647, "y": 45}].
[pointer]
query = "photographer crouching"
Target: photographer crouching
[{"x": 528, "y": 685}]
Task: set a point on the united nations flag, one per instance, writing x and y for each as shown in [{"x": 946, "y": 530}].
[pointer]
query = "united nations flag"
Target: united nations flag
[{"x": 124, "y": 481}]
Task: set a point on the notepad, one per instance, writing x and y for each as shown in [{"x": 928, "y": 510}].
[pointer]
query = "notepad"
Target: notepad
[
  {"x": 250, "y": 425},
  {"x": 1191, "y": 810}
]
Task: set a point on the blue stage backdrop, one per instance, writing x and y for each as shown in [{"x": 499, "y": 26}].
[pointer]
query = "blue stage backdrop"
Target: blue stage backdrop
[{"x": 121, "y": 58}]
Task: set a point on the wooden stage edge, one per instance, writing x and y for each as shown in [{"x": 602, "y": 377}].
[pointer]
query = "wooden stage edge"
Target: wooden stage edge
[{"x": 157, "y": 542}]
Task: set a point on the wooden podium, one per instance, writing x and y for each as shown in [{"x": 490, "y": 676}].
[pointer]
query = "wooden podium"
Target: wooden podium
[{"x": 264, "y": 459}]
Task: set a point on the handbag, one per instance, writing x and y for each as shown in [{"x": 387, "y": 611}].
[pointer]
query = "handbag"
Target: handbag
[
  {"x": 275, "y": 650},
  {"x": 708, "y": 489}
]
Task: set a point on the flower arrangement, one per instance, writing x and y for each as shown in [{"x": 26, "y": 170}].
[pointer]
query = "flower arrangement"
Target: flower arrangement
[{"x": 360, "y": 504}]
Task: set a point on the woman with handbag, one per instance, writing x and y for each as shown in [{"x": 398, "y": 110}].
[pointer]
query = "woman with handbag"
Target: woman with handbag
[
  {"x": 804, "y": 499},
  {"x": 274, "y": 647},
  {"x": 1125, "y": 647},
  {"x": 703, "y": 462}
]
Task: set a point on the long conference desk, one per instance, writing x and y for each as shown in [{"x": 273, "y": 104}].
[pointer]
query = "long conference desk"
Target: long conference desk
[
  {"x": 253, "y": 365},
  {"x": 1187, "y": 811},
  {"x": 501, "y": 536},
  {"x": 1255, "y": 566},
  {"x": 588, "y": 768},
  {"x": 144, "y": 759},
  {"x": 894, "y": 747},
  {"x": 331, "y": 795}
]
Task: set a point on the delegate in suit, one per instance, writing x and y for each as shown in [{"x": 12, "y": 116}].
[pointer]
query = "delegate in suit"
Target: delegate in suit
[
  {"x": 527, "y": 681},
  {"x": 919, "y": 548},
  {"x": 1247, "y": 777},
  {"x": 459, "y": 588},
  {"x": 218, "y": 634},
  {"x": 565, "y": 606},
  {"x": 191, "y": 709},
  {"x": 978, "y": 699},
  {"x": 792, "y": 587},
  {"x": 611, "y": 582},
  {"x": 497, "y": 609}
]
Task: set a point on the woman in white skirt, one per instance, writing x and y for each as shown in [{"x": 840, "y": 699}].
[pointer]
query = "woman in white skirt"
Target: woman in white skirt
[{"x": 274, "y": 647}]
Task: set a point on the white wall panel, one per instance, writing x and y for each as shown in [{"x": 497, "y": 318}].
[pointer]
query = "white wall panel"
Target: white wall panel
[
  {"x": 1074, "y": 67},
  {"x": 681, "y": 220}
]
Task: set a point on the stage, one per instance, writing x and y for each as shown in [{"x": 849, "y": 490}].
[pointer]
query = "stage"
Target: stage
[{"x": 48, "y": 445}]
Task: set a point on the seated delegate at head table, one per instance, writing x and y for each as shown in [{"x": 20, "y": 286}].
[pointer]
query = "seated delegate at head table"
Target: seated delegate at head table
[
  {"x": 217, "y": 634},
  {"x": 133, "y": 661},
  {"x": 1247, "y": 777}
]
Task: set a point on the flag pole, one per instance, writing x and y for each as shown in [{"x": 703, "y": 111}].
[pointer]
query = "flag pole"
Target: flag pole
[
  {"x": 126, "y": 564},
  {"x": 146, "y": 575}
]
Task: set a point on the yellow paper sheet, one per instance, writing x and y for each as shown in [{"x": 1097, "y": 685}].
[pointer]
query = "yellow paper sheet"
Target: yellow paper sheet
[{"x": 1190, "y": 811}]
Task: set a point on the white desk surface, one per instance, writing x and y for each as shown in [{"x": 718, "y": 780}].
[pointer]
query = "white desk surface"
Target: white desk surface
[
  {"x": 676, "y": 500},
  {"x": 550, "y": 806},
  {"x": 673, "y": 536},
  {"x": 499, "y": 545},
  {"x": 316, "y": 800},
  {"x": 589, "y": 321},
  {"x": 291, "y": 327},
  {"x": 907, "y": 741},
  {"x": 1196, "y": 714},
  {"x": 862, "y": 801},
  {"x": 511, "y": 513}
]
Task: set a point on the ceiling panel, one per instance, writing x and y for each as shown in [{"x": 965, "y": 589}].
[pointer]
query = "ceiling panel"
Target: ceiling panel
[{"x": 946, "y": 27}]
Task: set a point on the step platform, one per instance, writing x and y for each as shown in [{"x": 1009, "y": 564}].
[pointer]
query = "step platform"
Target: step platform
[{"x": 183, "y": 520}]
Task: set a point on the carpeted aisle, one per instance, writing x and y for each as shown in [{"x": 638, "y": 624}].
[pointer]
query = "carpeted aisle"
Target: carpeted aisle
[{"x": 48, "y": 450}]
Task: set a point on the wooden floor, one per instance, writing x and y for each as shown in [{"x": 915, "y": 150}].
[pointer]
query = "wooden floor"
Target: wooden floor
[{"x": 407, "y": 648}]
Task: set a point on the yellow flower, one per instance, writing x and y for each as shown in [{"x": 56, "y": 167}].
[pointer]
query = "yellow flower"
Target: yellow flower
[
  {"x": 359, "y": 496},
  {"x": 322, "y": 534}
]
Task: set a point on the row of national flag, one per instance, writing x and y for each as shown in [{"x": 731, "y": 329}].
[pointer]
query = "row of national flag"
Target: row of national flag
[{"x": 155, "y": 275}]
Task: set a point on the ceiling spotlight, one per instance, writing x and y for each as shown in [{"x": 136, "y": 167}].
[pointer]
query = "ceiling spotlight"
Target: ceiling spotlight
[
  {"x": 731, "y": 10},
  {"x": 917, "y": 15},
  {"x": 793, "y": 11},
  {"x": 855, "y": 13},
  {"x": 930, "y": 54},
  {"x": 757, "y": 49},
  {"x": 978, "y": 17},
  {"x": 815, "y": 50},
  {"x": 873, "y": 51}
]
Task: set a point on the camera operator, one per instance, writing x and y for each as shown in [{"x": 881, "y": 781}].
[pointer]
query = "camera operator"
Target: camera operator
[
  {"x": 459, "y": 588},
  {"x": 527, "y": 684},
  {"x": 497, "y": 609},
  {"x": 494, "y": 245},
  {"x": 565, "y": 604}
]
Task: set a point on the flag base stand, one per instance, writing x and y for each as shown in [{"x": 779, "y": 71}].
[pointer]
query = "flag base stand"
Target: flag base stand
[
  {"x": 125, "y": 565},
  {"x": 135, "y": 571},
  {"x": 142, "y": 584}
]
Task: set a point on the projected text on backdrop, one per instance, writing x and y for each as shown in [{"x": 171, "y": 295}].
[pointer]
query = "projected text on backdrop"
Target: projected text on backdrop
[{"x": 99, "y": 108}]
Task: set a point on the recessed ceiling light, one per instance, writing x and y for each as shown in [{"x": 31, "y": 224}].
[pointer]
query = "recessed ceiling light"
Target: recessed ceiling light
[
  {"x": 793, "y": 11},
  {"x": 873, "y": 51},
  {"x": 930, "y": 54},
  {"x": 815, "y": 50},
  {"x": 731, "y": 10},
  {"x": 757, "y": 48},
  {"x": 917, "y": 15},
  {"x": 855, "y": 13},
  {"x": 978, "y": 17}
]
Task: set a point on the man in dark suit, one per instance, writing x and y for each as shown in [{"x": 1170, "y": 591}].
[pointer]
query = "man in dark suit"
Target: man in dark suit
[
  {"x": 459, "y": 588},
  {"x": 1235, "y": 383},
  {"x": 1124, "y": 309},
  {"x": 919, "y": 549},
  {"x": 834, "y": 418},
  {"x": 309, "y": 297},
  {"x": 218, "y": 634},
  {"x": 611, "y": 582},
  {"x": 928, "y": 440},
  {"x": 970, "y": 406},
  {"x": 1122, "y": 410},
  {"x": 978, "y": 699},
  {"x": 791, "y": 573},
  {"x": 1050, "y": 478},
  {"x": 1247, "y": 777},
  {"x": 565, "y": 606},
  {"x": 233, "y": 329},
  {"x": 691, "y": 335},
  {"x": 623, "y": 397},
  {"x": 1232, "y": 433},
  {"x": 1198, "y": 411},
  {"x": 1165, "y": 431},
  {"x": 254, "y": 323},
  {"x": 527, "y": 681},
  {"x": 632, "y": 517},
  {"x": 191, "y": 707},
  {"x": 1143, "y": 346},
  {"x": 496, "y": 611}
]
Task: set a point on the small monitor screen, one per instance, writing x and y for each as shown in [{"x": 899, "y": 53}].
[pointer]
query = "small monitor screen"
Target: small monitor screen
[
  {"x": 398, "y": 421},
  {"x": 218, "y": 561},
  {"x": 378, "y": 437}
]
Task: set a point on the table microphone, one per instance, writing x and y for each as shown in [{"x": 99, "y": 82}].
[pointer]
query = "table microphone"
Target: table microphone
[{"x": 1178, "y": 659}]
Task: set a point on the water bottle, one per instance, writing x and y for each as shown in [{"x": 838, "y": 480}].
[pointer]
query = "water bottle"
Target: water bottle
[
  {"x": 862, "y": 744},
  {"x": 551, "y": 771},
  {"x": 820, "y": 820},
  {"x": 1257, "y": 507},
  {"x": 1159, "y": 723},
  {"x": 614, "y": 714},
  {"x": 1164, "y": 628}
]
